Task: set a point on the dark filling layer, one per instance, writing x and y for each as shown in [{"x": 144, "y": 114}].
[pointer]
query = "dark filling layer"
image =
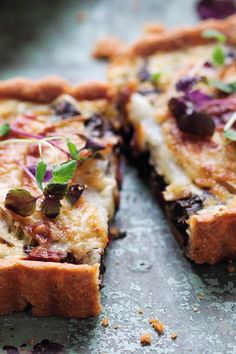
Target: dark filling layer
[{"x": 177, "y": 212}]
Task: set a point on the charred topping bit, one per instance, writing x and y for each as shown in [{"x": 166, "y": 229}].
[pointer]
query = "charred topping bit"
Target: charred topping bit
[
  {"x": 190, "y": 120},
  {"x": 148, "y": 92},
  {"x": 91, "y": 144},
  {"x": 66, "y": 110}
]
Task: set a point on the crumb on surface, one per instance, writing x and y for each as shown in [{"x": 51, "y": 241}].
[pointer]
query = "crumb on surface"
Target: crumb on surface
[
  {"x": 153, "y": 28},
  {"x": 173, "y": 336},
  {"x": 115, "y": 232},
  {"x": 140, "y": 311},
  {"x": 115, "y": 326},
  {"x": 230, "y": 266},
  {"x": 80, "y": 16},
  {"x": 146, "y": 339},
  {"x": 157, "y": 325},
  {"x": 105, "y": 322}
]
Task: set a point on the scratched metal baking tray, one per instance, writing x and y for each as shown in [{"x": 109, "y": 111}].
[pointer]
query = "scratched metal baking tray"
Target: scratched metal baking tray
[{"x": 146, "y": 269}]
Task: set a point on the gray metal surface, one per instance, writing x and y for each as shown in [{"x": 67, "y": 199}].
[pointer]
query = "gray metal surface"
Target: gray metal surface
[{"x": 146, "y": 269}]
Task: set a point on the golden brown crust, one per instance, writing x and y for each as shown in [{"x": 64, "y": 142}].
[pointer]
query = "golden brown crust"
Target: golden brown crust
[
  {"x": 47, "y": 89},
  {"x": 212, "y": 237},
  {"x": 183, "y": 37},
  {"x": 59, "y": 289},
  {"x": 109, "y": 48}
]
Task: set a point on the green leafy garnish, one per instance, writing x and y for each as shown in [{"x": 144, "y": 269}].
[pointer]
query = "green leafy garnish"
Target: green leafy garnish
[
  {"x": 64, "y": 172},
  {"x": 218, "y": 56},
  {"x": 214, "y": 34},
  {"x": 222, "y": 86},
  {"x": 155, "y": 78},
  {"x": 74, "y": 153},
  {"x": 40, "y": 173},
  {"x": 21, "y": 202},
  {"x": 228, "y": 132},
  {"x": 4, "y": 130}
]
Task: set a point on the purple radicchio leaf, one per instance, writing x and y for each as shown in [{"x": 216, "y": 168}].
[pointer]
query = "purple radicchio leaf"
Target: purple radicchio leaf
[
  {"x": 144, "y": 74},
  {"x": 186, "y": 83},
  {"x": 91, "y": 144},
  {"x": 66, "y": 110},
  {"x": 218, "y": 9},
  {"x": 48, "y": 174},
  {"x": 197, "y": 97}
]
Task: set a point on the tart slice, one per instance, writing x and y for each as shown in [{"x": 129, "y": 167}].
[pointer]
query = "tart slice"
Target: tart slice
[
  {"x": 177, "y": 90},
  {"x": 59, "y": 166}
]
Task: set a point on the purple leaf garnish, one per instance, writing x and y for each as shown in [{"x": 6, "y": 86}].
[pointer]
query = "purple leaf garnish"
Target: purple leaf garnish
[
  {"x": 177, "y": 106},
  {"x": 66, "y": 110},
  {"x": 48, "y": 174},
  {"x": 74, "y": 193},
  {"x": 190, "y": 120},
  {"x": 91, "y": 144},
  {"x": 50, "y": 206},
  {"x": 197, "y": 123},
  {"x": 56, "y": 190},
  {"x": 197, "y": 97},
  {"x": 218, "y": 9},
  {"x": 144, "y": 74},
  {"x": 21, "y": 202},
  {"x": 186, "y": 83}
]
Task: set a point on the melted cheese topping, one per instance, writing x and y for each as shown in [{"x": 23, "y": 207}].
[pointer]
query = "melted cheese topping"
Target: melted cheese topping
[{"x": 81, "y": 230}]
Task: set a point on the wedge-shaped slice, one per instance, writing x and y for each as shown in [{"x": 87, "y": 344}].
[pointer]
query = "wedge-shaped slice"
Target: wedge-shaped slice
[
  {"x": 58, "y": 192},
  {"x": 178, "y": 92}
]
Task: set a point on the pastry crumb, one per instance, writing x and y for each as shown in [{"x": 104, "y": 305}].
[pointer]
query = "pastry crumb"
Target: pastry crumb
[
  {"x": 105, "y": 322},
  {"x": 173, "y": 336},
  {"x": 140, "y": 311},
  {"x": 146, "y": 339},
  {"x": 157, "y": 325},
  {"x": 115, "y": 326},
  {"x": 230, "y": 266}
]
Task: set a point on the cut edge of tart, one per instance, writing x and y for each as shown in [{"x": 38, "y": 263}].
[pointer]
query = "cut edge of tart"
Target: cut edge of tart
[
  {"x": 59, "y": 178},
  {"x": 177, "y": 90}
]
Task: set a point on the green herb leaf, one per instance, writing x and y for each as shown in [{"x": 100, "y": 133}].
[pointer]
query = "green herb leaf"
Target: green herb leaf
[
  {"x": 218, "y": 56},
  {"x": 4, "y": 130},
  {"x": 57, "y": 190},
  {"x": 214, "y": 34},
  {"x": 21, "y": 202},
  {"x": 40, "y": 173},
  {"x": 64, "y": 172},
  {"x": 74, "y": 193},
  {"x": 50, "y": 206},
  {"x": 228, "y": 132},
  {"x": 222, "y": 86},
  {"x": 155, "y": 77},
  {"x": 74, "y": 153}
]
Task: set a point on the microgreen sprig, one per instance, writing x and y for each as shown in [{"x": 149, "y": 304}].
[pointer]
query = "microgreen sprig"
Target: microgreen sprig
[{"x": 218, "y": 54}]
